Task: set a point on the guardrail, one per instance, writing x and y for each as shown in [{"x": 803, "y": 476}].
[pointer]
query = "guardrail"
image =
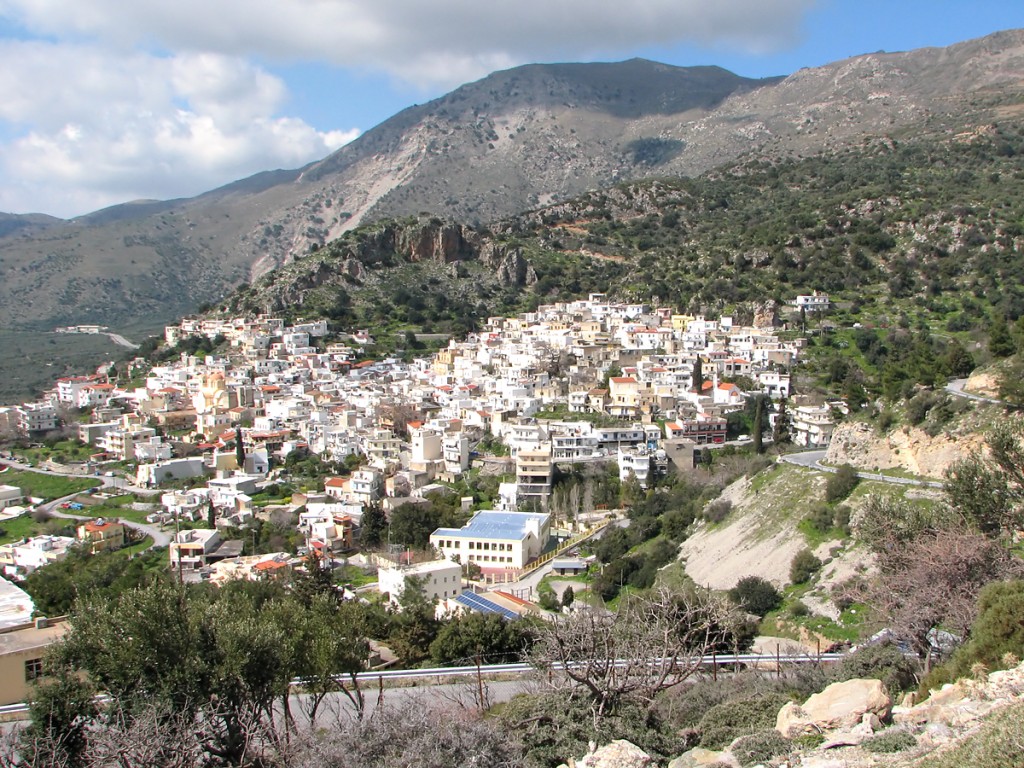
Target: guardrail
[{"x": 435, "y": 675}]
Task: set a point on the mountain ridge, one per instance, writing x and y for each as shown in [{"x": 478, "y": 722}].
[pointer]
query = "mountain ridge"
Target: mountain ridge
[{"x": 516, "y": 140}]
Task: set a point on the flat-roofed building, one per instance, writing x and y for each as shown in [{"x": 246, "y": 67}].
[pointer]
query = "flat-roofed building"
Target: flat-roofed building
[
  {"x": 439, "y": 580},
  {"x": 22, "y": 648},
  {"x": 10, "y": 496},
  {"x": 496, "y": 541}
]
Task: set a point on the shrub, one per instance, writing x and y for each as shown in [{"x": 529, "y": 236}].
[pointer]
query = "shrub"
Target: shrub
[
  {"x": 799, "y": 609},
  {"x": 760, "y": 747},
  {"x": 892, "y": 740},
  {"x": 919, "y": 405},
  {"x": 808, "y": 741},
  {"x": 568, "y": 597},
  {"x": 725, "y": 722},
  {"x": 841, "y": 484},
  {"x": 755, "y": 595},
  {"x": 998, "y": 744},
  {"x": 549, "y": 601},
  {"x": 841, "y": 518},
  {"x": 804, "y": 565},
  {"x": 717, "y": 511},
  {"x": 820, "y": 517},
  {"x": 880, "y": 661},
  {"x": 998, "y": 630}
]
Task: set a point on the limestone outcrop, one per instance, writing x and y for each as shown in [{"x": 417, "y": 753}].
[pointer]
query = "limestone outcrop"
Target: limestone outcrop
[
  {"x": 908, "y": 448},
  {"x": 840, "y": 706}
]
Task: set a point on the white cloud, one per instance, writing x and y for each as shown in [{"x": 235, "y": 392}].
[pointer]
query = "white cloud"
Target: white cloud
[
  {"x": 427, "y": 43},
  {"x": 101, "y": 128},
  {"x": 104, "y": 100}
]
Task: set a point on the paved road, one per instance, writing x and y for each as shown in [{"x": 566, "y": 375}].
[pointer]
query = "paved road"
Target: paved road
[
  {"x": 160, "y": 539},
  {"x": 956, "y": 388},
  {"x": 812, "y": 460},
  {"x": 116, "y": 482}
]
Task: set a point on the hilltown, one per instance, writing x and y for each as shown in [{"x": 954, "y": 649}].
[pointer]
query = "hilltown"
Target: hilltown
[{"x": 574, "y": 383}]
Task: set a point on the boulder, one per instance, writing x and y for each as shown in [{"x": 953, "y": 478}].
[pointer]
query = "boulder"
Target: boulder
[
  {"x": 618, "y": 754},
  {"x": 792, "y": 721},
  {"x": 841, "y": 705},
  {"x": 696, "y": 757}
]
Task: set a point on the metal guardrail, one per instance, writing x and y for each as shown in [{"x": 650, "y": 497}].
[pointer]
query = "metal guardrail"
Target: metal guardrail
[{"x": 436, "y": 674}]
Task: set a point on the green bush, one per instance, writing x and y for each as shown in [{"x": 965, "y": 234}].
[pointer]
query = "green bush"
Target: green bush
[
  {"x": 841, "y": 484},
  {"x": 804, "y": 565},
  {"x": 760, "y": 747},
  {"x": 880, "y": 661},
  {"x": 998, "y": 632},
  {"x": 726, "y": 722},
  {"x": 808, "y": 741},
  {"x": 755, "y": 595},
  {"x": 892, "y": 740},
  {"x": 798, "y": 609},
  {"x": 820, "y": 517}
]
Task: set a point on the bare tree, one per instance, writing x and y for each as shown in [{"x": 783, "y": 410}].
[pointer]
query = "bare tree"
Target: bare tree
[
  {"x": 933, "y": 580},
  {"x": 651, "y": 644}
]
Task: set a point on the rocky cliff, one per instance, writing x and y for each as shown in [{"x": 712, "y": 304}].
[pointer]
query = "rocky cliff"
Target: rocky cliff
[{"x": 909, "y": 449}]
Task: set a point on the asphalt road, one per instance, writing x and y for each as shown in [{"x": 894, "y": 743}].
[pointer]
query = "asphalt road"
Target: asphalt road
[
  {"x": 812, "y": 460},
  {"x": 160, "y": 539},
  {"x": 956, "y": 388}
]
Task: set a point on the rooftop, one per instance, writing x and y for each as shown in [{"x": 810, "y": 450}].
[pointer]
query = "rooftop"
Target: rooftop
[{"x": 490, "y": 524}]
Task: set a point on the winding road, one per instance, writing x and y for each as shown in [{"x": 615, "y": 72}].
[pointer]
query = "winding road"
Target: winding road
[
  {"x": 160, "y": 539},
  {"x": 812, "y": 460}
]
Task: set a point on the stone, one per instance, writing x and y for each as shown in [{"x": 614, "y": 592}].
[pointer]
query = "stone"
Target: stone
[
  {"x": 840, "y": 706},
  {"x": 618, "y": 754},
  {"x": 793, "y": 721},
  {"x": 843, "y": 705},
  {"x": 696, "y": 757}
]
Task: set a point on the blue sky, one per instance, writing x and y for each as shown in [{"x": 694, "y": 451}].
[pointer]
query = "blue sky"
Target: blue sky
[{"x": 103, "y": 101}]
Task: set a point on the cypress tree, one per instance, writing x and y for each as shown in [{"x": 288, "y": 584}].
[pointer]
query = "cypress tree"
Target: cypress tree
[{"x": 758, "y": 427}]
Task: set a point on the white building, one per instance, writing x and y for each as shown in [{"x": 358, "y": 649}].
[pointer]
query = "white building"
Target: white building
[
  {"x": 812, "y": 425},
  {"x": 635, "y": 461},
  {"x": 20, "y": 558},
  {"x": 814, "y": 302},
  {"x": 10, "y": 496},
  {"x": 34, "y": 418},
  {"x": 439, "y": 580},
  {"x": 190, "y": 550},
  {"x": 496, "y": 541}
]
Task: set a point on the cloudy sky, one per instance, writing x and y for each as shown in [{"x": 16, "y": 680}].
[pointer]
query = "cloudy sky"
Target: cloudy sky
[{"x": 104, "y": 101}]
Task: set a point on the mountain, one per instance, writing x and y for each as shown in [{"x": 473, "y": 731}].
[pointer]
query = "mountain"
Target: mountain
[{"x": 519, "y": 139}]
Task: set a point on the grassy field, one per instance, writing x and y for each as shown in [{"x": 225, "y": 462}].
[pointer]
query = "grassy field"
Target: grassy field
[
  {"x": 19, "y": 528},
  {"x": 46, "y": 487}
]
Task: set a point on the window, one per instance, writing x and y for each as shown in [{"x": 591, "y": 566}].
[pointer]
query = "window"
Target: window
[{"x": 33, "y": 669}]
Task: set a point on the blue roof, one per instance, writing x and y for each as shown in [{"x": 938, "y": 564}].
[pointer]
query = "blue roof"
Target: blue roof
[
  {"x": 482, "y": 604},
  {"x": 488, "y": 524}
]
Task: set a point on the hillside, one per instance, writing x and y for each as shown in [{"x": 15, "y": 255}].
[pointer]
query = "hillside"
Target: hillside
[
  {"x": 514, "y": 140},
  {"x": 926, "y": 227}
]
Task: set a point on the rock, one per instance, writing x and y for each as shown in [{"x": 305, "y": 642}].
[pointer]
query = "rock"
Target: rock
[
  {"x": 509, "y": 264},
  {"x": 766, "y": 314},
  {"x": 841, "y": 705},
  {"x": 618, "y": 754},
  {"x": 951, "y": 693},
  {"x": 908, "y": 448},
  {"x": 697, "y": 757},
  {"x": 867, "y": 726},
  {"x": 814, "y": 761},
  {"x": 793, "y": 721}
]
